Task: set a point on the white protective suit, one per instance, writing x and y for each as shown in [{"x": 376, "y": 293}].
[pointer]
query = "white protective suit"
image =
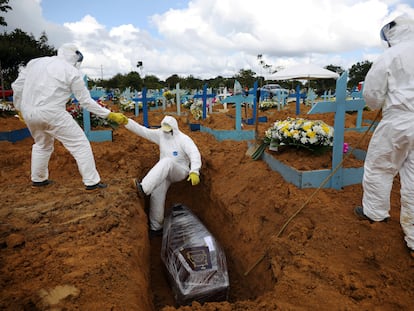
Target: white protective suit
[
  {"x": 389, "y": 85},
  {"x": 41, "y": 92},
  {"x": 179, "y": 156}
]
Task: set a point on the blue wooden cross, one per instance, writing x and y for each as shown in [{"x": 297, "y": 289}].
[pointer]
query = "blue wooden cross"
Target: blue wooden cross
[
  {"x": 338, "y": 176},
  {"x": 144, "y": 101},
  {"x": 204, "y": 97},
  {"x": 97, "y": 93},
  {"x": 97, "y": 136},
  {"x": 298, "y": 95},
  {"x": 340, "y": 106}
]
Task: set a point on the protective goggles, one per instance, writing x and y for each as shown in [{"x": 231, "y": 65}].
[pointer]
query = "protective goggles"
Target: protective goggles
[
  {"x": 80, "y": 56},
  {"x": 385, "y": 30}
]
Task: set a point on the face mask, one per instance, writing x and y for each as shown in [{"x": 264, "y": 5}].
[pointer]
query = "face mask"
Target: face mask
[
  {"x": 79, "y": 60},
  {"x": 385, "y": 30}
]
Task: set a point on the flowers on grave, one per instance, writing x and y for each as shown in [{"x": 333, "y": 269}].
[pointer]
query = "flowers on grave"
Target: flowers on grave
[
  {"x": 196, "y": 109},
  {"x": 187, "y": 104},
  {"x": 168, "y": 95},
  {"x": 301, "y": 133},
  {"x": 77, "y": 113},
  {"x": 7, "y": 109},
  {"x": 267, "y": 104},
  {"x": 345, "y": 148},
  {"x": 313, "y": 135},
  {"x": 128, "y": 104}
]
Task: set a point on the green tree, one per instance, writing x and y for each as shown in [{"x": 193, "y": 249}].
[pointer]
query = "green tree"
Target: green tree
[
  {"x": 192, "y": 83},
  {"x": 113, "y": 83},
  {"x": 246, "y": 77},
  {"x": 218, "y": 82},
  {"x": 322, "y": 85},
  {"x": 4, "y": 7},
  {"x": 152, "y": 82},
  {"x": 173, "y": 80},
  {"x": 358, "y": 72},
  {"x": 17, "y": 49},
  {"x": 132, "y": 80}
]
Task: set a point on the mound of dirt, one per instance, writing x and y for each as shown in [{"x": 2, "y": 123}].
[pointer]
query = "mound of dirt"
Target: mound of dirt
[{"x": 63, "y": 248}]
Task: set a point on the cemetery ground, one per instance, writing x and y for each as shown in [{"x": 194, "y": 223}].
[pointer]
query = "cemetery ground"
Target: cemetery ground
[{"x": 63, "y": 248}]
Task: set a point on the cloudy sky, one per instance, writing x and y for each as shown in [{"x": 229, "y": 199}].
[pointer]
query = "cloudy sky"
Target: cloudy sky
[{"x": 207, "y": 38}]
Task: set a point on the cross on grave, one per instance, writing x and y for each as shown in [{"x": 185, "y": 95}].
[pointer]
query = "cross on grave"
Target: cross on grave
[
  {"x": 254, "y": 101},
  {"x": 204, "y": 97},
  {"x": 157, "y": 96},
  {"x": 310, "y": 97},
  {"x": 144, "y": 99},
  {"x": 180, "y": 97},
  {"x": 96, "y": 136},
  {"x": 358, "y": 94},
  {"x": 327, "y": 95},
  {"x": 340, "y": 106},
  {"x": 238, "y": 133},
  {"x": 177, "y": 98},
  {"x": 238, "y": 100},
  {"x": 298, "y": 95},
  {"x": 97, "y": 93}
]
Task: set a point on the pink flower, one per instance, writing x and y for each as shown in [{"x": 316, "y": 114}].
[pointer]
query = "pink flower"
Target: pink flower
[{"x": 345, "y": 148}]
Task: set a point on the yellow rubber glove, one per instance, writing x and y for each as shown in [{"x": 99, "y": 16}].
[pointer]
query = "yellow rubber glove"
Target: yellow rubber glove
[
  {"x": 19, "y": 115},
  {"x": 118, "y": 117},
  {"x": 195, "y": 179}
]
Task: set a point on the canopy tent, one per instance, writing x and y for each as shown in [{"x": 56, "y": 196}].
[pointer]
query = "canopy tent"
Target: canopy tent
[{"x": 305, "y": 72}]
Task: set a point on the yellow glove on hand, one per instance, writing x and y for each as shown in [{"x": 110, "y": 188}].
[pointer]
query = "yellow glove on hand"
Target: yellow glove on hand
[
  {"x": 19, "y": 115},
  {"x": 195, "y": 179},
  {"x": 118, "y": 117}
]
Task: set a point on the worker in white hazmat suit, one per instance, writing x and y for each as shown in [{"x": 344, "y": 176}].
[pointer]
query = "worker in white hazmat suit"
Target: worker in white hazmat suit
[
  {"x": 179, "y": 159},
  {"x": 389, "y": 85},
  {"x": 41, "y": 92}
]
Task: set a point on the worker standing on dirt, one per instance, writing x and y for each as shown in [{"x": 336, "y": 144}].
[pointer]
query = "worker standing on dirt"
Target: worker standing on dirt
[
  {"x": 179, "y": 159},
  {"x": 389, "y": 85},
  {"x": 41, "y": 92}
]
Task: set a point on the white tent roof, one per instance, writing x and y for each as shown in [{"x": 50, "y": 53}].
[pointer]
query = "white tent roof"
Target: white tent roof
[{"x": 305, "y": 72}]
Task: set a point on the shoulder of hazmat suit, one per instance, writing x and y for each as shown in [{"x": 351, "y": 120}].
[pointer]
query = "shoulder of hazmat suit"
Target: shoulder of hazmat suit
[
  {"x": 48, "y": 83},
  {"x": 389, "y": 82}
]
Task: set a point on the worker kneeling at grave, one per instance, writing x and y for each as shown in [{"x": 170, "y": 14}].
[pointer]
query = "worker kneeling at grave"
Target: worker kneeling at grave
[{"x": 179, "y": 159}]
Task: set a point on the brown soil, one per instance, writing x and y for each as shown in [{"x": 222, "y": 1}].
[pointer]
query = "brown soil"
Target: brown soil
[{"x": 65, "y": 249}]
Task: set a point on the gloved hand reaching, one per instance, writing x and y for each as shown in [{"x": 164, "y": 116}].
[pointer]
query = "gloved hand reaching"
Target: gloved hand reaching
[
  {"x": 194, "y": 178},
  {"x": 19, "y": 115},
  {"x": 118, "y": 117}
]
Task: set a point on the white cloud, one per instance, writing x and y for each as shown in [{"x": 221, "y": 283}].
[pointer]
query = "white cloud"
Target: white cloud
[
  {"x": 27, "y": 16},
  {"x": 219, "y": 37}
]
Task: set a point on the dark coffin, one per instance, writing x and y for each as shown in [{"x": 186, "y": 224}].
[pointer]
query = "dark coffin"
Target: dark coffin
[{"x": 195, "y": 262}]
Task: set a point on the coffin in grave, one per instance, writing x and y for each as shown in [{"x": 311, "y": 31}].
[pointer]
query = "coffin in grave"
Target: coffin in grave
[{"x": 195, "y": 262}]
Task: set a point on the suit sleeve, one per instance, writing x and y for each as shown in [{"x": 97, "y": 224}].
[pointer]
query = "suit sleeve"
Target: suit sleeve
[
  {"x": 149, "y": 134},
  {"x": 193, "y": 154}
]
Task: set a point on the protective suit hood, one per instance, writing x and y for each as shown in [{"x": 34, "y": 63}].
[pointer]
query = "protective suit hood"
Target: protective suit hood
[
  {"x": 172, "y": 122},
  {"x": 399, "y": 30},
  {"x": 70, "y": 53}
]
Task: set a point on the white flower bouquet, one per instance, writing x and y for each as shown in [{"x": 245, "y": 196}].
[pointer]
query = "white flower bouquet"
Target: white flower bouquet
[
  {"x": 128, "y": 104},
  {"x": 267, "y": 104},
  {"x": 310, "y": 134},
  {"x": 196, "y": 109},
  {"x": 313, "y": 135}
]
